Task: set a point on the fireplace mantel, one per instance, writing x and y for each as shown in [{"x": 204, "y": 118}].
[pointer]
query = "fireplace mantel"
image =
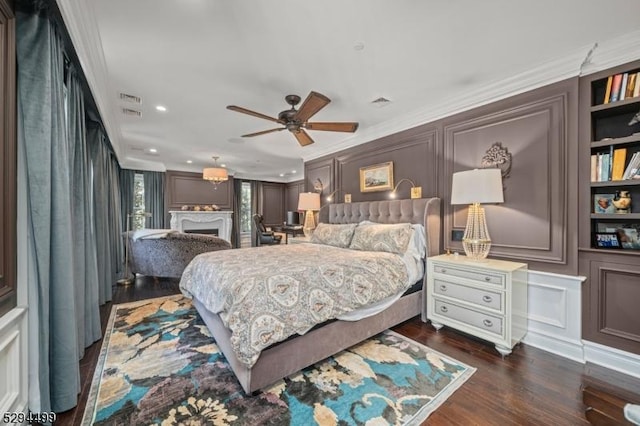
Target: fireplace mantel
[{"x": 185, "y": 221}]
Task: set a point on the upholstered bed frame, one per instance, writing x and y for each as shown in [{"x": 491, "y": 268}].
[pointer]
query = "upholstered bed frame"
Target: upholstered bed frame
[{"x": 294, "y": 354}]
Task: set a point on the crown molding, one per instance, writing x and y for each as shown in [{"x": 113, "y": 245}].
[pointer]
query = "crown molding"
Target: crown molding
[
  {"x": 613, "y": 52},
  {"x": 82, "y": 26},
  {"x": 545, "y": 74}
]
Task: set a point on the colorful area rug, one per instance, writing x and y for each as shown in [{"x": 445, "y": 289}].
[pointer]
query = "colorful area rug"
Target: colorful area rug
[{"x": 159, "y": 365}]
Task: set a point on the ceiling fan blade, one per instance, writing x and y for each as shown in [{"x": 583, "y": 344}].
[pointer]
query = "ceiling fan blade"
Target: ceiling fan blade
[
  {"x": 255, "y": 114},
  {"x": 264, "y": 132},
  {"x": 332, "y": 127},
  {"x": 314, "y": 103},
  {"x": 303, "y": 137}
]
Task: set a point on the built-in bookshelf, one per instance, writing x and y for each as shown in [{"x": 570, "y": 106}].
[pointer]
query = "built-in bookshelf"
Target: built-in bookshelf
[{"x": 614, "y": 154}]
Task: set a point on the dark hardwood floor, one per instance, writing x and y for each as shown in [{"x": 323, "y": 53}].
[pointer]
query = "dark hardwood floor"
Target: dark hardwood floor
[{"x": 529, "y": 387}]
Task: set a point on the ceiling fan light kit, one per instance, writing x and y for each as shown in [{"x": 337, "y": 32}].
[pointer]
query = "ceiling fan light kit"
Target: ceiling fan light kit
[{"x": 296, "y": 121}]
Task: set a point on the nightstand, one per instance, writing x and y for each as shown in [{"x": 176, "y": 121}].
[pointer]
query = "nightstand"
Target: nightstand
[
  {"x": 486, "y": 298},
  {"x": 298, "y": 240}
]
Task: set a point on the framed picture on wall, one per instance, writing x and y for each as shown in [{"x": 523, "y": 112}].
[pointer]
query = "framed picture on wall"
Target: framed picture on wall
[{"x": 378, "y": 177}]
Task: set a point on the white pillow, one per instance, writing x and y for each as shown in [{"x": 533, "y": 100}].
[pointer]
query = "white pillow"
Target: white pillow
[
  {"x": 417, "y": 247},
  {"x": 337, "y": 235},
  {"x": 392, "y": 238}
]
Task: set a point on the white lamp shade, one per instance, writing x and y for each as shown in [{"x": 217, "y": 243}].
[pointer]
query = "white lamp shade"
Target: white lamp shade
[
  {"x": 216, "y": 174},
  {"x": 477, "y": 186},
  {"x": 309, "y": 201}
]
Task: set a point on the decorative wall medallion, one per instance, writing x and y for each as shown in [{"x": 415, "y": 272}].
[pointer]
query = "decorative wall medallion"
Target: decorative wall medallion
[
  {"x": 499, "y": 157},
  {"x": 318, "y": 186}
]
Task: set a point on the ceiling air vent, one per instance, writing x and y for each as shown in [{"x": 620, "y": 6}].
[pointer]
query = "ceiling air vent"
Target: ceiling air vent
[
  {"x": 132, "y": 112},
  {"x": 131, "y": 98},
  {"x": 380, "y": 102}
]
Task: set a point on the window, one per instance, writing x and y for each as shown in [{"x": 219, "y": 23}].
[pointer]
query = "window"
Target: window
[
  {"x": 245, "y": 207},
  {"x": 138, "y": 220},
  {"x": 8, "y": 171}
]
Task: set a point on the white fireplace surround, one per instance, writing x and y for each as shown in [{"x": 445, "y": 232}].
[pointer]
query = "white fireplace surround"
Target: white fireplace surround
[{"x": 184, "y": 221}]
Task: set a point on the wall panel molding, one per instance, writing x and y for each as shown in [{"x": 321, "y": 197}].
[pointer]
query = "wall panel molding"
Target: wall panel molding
[
  {"x": 186, "y": 188},
  {"x": 539, "y": 129}
]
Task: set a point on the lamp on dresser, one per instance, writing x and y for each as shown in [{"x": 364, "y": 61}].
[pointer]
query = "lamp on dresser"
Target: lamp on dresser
[
  {"x": 308, "y": 202},
  {"x": 475, "y": 187}
]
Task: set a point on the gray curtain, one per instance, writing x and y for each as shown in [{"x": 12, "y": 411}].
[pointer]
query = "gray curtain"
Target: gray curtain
[
  {"x": 108, "y": 221},
  {"x": 256, "y": 207},
  {"x": 236, "y": 233},
  {"x": 82, "y": 213},
  {"x": 55, "y": 169},
  {"x": 127, "y": 183},
  {"x": 154, "y": 199}
]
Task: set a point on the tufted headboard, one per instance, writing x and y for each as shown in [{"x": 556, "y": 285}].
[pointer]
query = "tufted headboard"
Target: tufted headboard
[{"x": 425, "y": 211}]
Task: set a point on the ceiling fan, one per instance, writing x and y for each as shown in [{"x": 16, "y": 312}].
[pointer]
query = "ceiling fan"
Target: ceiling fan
[{"x": 296, "y": 122}]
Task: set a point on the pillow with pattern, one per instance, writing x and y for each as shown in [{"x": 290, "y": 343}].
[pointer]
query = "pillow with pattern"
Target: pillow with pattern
[
  {"x": 336, "y": 235},
  {"x": 392, "y": 238}
]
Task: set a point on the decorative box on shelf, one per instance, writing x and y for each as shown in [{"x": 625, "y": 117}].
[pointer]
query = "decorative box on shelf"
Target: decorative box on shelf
[{"x": 486, "y": 298}]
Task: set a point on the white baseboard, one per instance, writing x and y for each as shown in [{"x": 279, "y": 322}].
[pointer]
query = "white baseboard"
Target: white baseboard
[
  {"x": 614, "y": 359},
  {"x": 571, "y": 349},
  {"x": 555, "y": 324}
]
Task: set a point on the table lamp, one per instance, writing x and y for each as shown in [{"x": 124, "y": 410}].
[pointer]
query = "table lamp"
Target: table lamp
[
  {"x": 475, "y": 187},
  {"x": 308, "y": 202}
]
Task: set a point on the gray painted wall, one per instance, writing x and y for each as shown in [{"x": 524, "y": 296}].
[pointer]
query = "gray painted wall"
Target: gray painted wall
[{"x": 537, "y": 223}]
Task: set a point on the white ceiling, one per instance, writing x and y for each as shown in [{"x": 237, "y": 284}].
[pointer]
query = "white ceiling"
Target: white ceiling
[{"x": 430, "y": 58}]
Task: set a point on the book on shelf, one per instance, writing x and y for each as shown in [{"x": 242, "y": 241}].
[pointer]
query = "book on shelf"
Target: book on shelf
[
  {"x": 632, "y": 168},
  {"x": 623, "y": 87},
  {"x": 594, "y": 167},
  {"x": 619, "y": 158},
  {"x": 615, "y": 87},
  {"x": 636, "y": 90},
  {"x": 604, "y": 169},
  {"x": 631, "y": 85},
  {"x": 607, "y": 93}
]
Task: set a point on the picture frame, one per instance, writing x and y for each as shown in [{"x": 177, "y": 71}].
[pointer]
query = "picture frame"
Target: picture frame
[
  {"x": 378, "y": 177},
  {"x": 628, "y": 238},
  {"x": 608, "y": 240},
  {"x": 603, "y": 203}
]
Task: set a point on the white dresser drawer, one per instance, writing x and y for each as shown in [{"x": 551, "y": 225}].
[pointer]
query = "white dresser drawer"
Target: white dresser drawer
[
  {"x": 477, "y": 296},
  {"x": 481, "y": 276},
  {"x": 480, "y": 320}
]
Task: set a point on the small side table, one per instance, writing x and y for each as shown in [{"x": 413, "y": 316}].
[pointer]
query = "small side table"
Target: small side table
[{"x": 487, "y": 298}]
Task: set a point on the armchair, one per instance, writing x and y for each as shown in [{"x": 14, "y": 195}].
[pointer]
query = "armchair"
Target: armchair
[{"x": 263, "y": 235}]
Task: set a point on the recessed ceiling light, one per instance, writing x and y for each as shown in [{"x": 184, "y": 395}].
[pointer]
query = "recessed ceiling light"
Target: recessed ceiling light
[
  {"x": 153, "y": 150},
  {"x": 281, "y": 174},
  {"x": 189, "y": 161},
  {"x": 223, "y": 165},
  {"x": 293, "y": 171},
  {"x": 358, "y": 46},
  {"x": 161, "y": 108}
]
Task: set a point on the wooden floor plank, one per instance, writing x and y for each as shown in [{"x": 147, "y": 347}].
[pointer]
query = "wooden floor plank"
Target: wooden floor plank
[{"x": 530, "y": 386}]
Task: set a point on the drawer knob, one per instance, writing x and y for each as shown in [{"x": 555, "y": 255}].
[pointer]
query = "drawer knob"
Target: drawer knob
[
  {"x": 443, "y": 308},
  {"x": 487, "y": 323},
  {"x": 443, "y": 287},
  {"x": 487, "y": 278},
  {"x": 444, "y": 271},
  {"x": 487, "y": 299}
]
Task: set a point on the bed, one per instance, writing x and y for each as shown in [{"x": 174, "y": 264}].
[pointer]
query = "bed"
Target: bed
[{"x": 290, "y": 354}]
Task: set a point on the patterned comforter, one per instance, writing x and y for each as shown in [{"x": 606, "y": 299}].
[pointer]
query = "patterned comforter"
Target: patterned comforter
[{"x": 264, "y": 295}]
